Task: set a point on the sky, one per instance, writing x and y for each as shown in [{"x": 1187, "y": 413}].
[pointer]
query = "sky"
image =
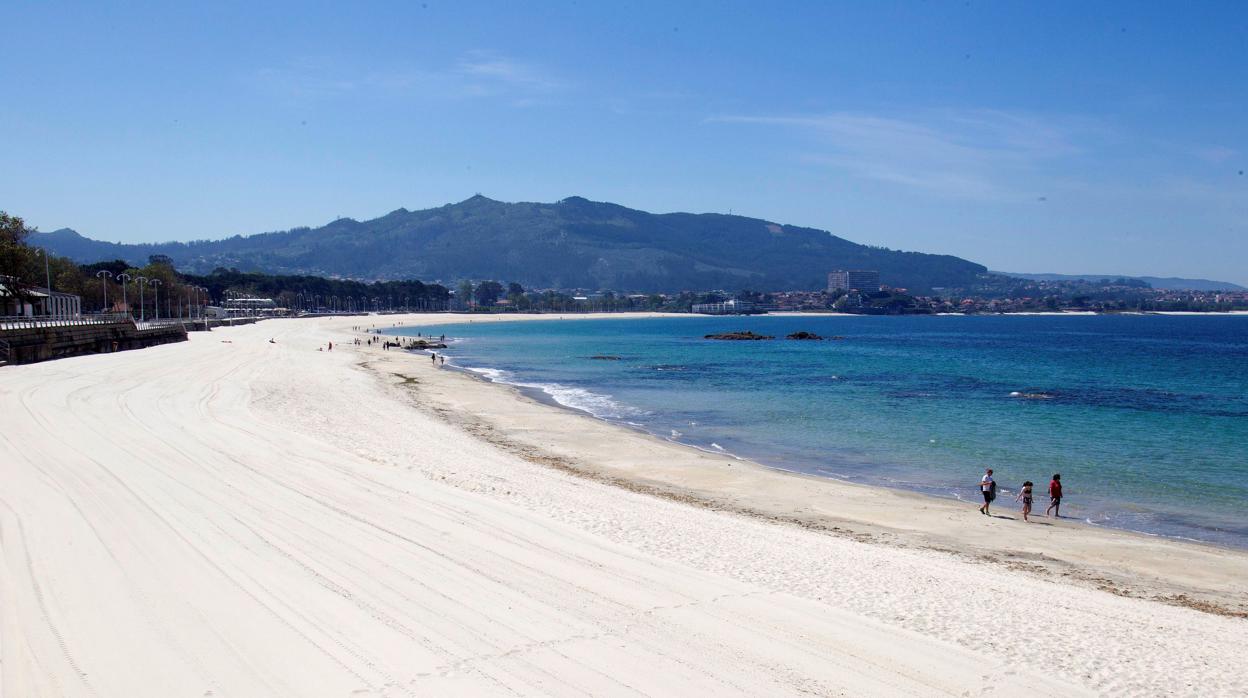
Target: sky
[{"x": 1071, "y": 137}]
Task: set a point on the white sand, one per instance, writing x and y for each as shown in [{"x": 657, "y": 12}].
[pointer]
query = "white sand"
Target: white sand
[{"x": 245, "y": 518}]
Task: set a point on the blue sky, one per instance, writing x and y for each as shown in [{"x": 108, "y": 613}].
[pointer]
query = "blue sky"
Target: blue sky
[{"x": 1062, "y": 137}]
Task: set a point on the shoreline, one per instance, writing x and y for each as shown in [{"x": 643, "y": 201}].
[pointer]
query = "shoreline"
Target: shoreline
[
  {"x": 1072, "y": 551},
  {"x": 540, "y": 393}
]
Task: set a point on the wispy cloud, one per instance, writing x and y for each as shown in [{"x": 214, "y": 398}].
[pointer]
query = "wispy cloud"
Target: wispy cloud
[
  {"x": 485, "y": 68},
  {"x": 957, "y": 153},
  {"x": 1216, "y": 154},
  {"x": 474, "y": 75}
]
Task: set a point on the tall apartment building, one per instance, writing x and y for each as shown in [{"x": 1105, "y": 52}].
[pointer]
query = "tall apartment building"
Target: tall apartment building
[{"x": 853, "y": 280}]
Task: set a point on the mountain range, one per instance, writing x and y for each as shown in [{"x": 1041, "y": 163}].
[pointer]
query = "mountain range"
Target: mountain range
[
  {"x": 573, "y": 243},
  {"x": 1172, "y": 283}
]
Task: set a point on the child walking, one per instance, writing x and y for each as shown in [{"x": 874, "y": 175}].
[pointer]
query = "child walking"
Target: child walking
[{"x": 1025, "y": 495}]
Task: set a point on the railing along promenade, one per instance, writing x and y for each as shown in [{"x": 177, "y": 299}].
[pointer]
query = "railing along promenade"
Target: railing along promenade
[
  {"x": 153, "y": 324},
  {"x": 25, "y": 322},
  {"x": 29, "y": 339}
]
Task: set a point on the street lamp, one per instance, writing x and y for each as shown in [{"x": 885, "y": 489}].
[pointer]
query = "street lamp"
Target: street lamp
[
  {"x": 104, "y": 276},
  {"x": 142, "y": 282},
  {"x": 123, "y": 278},
  {"x": 202, "y": 307},
  {"x": 47, "y": 276},
  {"x": 155, "y": 283}
]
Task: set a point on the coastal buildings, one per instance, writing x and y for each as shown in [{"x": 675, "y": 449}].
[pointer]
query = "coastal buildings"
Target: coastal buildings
[
  {"x": 734, "y": 306},
  {"x": 243, "y": 306},
  {"x": 853, "y": 280},
  {"x": 17, "y": 300}
]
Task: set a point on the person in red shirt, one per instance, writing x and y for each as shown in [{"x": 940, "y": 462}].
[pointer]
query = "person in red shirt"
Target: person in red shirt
[{"x": 1055, "y": 496}]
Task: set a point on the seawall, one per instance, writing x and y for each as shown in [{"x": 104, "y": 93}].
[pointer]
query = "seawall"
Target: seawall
[{"x": 29, "y": 345}]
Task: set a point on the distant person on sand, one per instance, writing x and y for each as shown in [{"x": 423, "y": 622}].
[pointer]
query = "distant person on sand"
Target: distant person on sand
[
  {"x": 989, "y": 488},
  {"x": 434, "y": 359},
  {"x": 1055, "y": 496},
  {"x": 443, "y": 359},
  {"x": 1025, "y": 495}
]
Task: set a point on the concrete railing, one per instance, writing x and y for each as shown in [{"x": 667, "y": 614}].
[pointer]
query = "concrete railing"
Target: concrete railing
[
  {"x": 163, "y": 322},
  {"x": 25, "y": 322},
  {"x": 53, "y": 341}
]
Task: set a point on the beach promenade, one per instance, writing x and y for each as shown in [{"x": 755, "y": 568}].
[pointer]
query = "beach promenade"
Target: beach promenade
[{"x": 233, "y": 517}]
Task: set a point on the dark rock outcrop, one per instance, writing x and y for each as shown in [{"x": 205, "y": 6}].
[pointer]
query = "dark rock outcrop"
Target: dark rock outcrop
[
  {"x": 747, "y": 335},
  {"x": 803, "y": 335}
]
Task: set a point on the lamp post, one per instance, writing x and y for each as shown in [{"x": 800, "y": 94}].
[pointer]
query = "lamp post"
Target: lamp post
[
  {"x": 104, "y": 276},
  {"x": 155, "y": 283},
  {"x": 123, "y": 278},
  {"x": 142, "y": 282},
  {"x": 47, "y": 277}
]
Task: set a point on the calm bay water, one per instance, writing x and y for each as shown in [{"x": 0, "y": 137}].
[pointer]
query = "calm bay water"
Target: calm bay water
[{"x": 1146, "y": 417}]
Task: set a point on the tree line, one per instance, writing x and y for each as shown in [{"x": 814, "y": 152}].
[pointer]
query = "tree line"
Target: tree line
[
  {"x": 319, "y": 294},
  {"x": 153, "y": 289}
]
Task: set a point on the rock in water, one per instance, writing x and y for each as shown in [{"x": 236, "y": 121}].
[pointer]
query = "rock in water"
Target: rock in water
[
  {"x": 747, "y": 335},
  {"x": 804, "y": 335}
]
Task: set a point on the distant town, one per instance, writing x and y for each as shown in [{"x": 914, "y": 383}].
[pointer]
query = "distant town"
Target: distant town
[
  {"x": 51, "y": 306},
  {"x": 104, "y": 288}
]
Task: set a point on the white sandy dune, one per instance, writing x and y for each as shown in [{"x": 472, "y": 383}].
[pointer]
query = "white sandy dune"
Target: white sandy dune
[{"x": 240, "y": 518}]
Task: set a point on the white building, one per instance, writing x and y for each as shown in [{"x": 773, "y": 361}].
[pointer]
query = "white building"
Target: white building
[
  {"x": 728, "y": 307},
  {"x": 18, "y": 300}
]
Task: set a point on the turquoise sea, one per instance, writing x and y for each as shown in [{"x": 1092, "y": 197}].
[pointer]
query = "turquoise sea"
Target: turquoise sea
[{"x": 1146, "y": 417}]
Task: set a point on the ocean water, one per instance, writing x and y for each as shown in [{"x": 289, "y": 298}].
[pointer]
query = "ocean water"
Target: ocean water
[{"x": 1145, "y": 417}]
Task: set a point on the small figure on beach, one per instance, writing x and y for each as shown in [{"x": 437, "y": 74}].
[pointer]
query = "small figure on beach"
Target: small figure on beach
[
  {"x": 1055, "y": 496},
  {"x": 989, "y": 488},
  {"x": 434, "y": 358},
  {"x": 1025, "y": 495},
  {"x": 442, "y": 358}
]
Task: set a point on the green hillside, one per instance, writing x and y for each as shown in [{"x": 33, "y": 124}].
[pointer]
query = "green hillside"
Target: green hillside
[{"x": 574, "y": 243}]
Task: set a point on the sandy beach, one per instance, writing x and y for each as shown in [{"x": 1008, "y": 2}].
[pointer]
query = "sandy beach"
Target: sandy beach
[{"x": 234, "y": 517}]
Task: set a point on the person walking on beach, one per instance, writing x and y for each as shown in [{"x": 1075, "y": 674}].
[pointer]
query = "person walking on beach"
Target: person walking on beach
[
  {"x": 988, "y": 487},
  {"x": 443, "y": 359},
  {"x": 1025, "y": 495},
  {"x": 434, "y": 359},
  {"x": 1055, "y": 496}
]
